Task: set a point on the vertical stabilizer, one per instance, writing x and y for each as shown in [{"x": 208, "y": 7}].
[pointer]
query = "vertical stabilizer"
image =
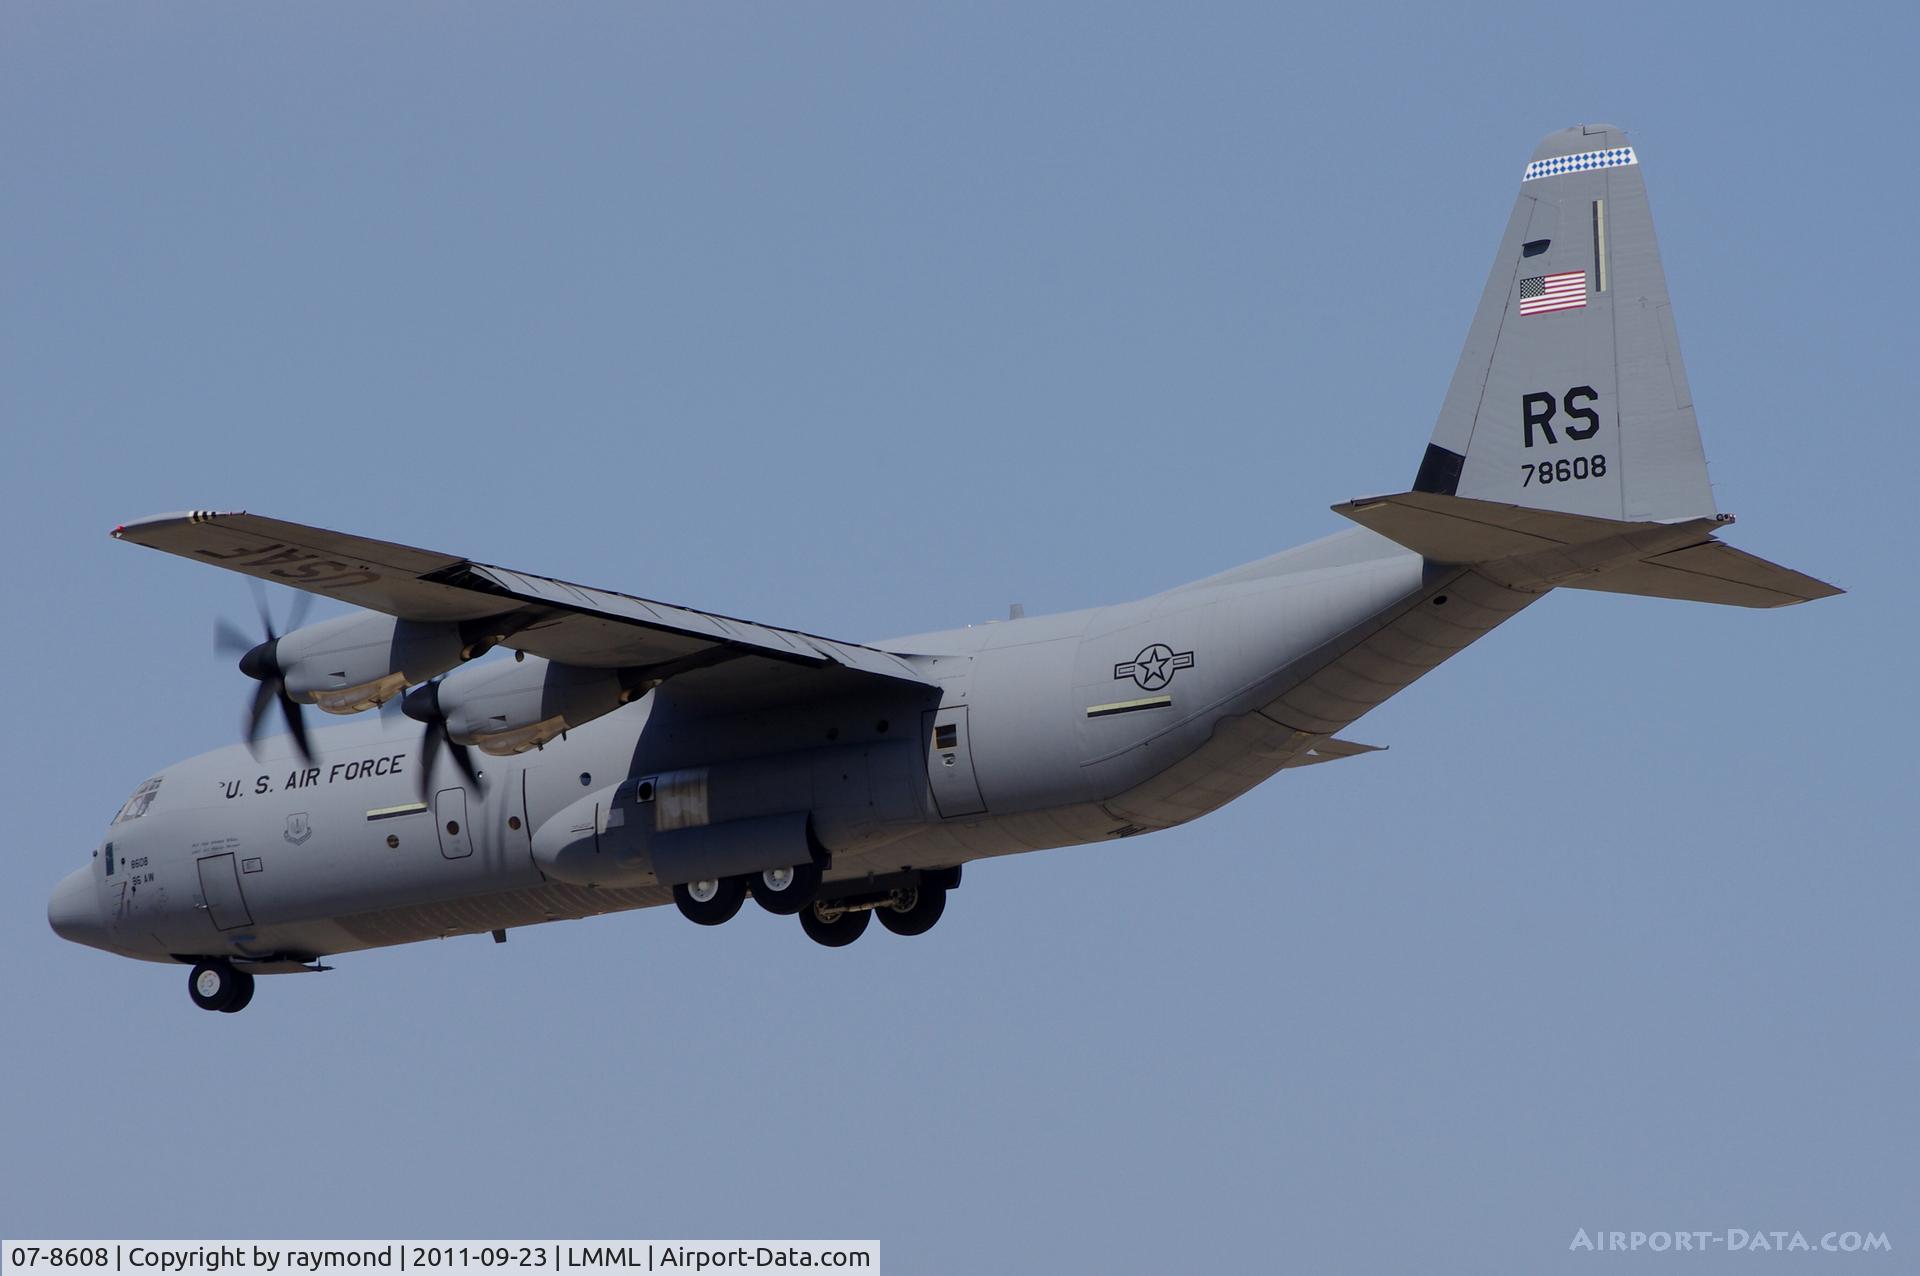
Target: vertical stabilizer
[{"x": 1570, "y": 394}]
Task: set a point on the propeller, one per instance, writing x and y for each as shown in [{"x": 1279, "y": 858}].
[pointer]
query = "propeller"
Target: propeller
[
  {"x": 259, "y": 660},
  {"x": 422, "y": 704}
]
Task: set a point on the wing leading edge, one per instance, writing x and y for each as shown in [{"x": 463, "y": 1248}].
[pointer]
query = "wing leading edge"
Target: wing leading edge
[{"x": 567, "y": 623}]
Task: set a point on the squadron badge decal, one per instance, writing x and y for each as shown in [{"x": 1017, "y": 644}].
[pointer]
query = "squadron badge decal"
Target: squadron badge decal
[
  {"x": 298, "y": 828},
  {"x": 1155, "y": 666}
]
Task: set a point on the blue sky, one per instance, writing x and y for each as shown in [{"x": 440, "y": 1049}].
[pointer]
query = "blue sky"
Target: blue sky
[{"x": 872, "y": 319}]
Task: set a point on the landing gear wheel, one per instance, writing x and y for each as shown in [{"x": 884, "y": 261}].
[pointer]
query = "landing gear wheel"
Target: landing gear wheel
[
  {"x": 242, "y": 996},
  {"x": 785, "y": 891},
  {"x": 923, "y": 906},
  {"x": 837, "y": 928},
  {"x": 214, "y": 985},
  {"x": 712, "y": 901}
]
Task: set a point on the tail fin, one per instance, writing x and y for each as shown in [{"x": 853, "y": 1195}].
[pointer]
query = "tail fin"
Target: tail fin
[
  {"x": 1570, "y": 394},
  {"x": 1566, "y": 453}
]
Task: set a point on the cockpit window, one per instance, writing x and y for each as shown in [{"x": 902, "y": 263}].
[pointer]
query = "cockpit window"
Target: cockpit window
[{"x": 142, "y": 799}]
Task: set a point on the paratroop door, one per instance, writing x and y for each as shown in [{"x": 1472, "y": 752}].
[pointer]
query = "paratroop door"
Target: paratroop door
[
  {"x": 956, "y": 790},
  {"x": 450, "y": 812},
  {"x": 220, "y": 887}
]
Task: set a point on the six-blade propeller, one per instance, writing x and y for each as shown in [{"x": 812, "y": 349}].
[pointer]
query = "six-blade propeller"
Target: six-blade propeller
[
  {"x": 422, "y": 704},
  {"x": 259, "y": 661}
]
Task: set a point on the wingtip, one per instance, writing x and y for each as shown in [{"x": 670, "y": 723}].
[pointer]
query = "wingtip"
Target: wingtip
[{"x": 133, "y": 527}]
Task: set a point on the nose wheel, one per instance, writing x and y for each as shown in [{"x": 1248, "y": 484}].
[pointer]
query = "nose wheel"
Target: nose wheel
[{"x": 216, "y": 985}]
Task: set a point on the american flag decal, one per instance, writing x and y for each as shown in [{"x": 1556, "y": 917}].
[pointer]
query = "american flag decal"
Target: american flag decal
[{"x": 1544, "y": 294}]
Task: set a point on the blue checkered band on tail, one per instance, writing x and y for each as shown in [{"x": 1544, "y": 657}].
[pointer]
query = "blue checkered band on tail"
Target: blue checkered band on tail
[{"x": 1616, "y": 157}]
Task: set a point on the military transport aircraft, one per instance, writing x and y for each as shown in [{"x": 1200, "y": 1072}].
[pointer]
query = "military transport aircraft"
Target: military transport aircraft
[{"x": 632, "y": 752}]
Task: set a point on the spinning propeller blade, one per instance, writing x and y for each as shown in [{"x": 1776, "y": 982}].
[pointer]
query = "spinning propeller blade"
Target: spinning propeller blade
[
  {"x": 259, "y": 661},
  {"x": 422, "y": 704}
]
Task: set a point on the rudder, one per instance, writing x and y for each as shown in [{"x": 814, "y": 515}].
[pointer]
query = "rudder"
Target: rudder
[{"x": 1570, "y": 394}]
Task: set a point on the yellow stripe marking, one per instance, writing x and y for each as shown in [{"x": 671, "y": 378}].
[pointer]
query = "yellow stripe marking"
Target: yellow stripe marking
[
  {"x": 405, "y": 808},
  {"x": 1128, "y": 706}
]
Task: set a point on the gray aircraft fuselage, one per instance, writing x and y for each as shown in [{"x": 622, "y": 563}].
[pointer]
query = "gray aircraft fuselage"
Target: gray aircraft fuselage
[
  {"x": 1065, "y": 729},
  {"x": 640, "y": 752}
]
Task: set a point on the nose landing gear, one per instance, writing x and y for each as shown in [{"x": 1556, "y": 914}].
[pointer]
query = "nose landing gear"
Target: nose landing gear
[{"x": 216, "y": 985}]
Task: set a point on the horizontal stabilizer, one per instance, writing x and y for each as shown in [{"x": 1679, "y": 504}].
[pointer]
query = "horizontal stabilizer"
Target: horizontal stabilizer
[
  {"x": 1712, "y": 573},
  {"x": 1528, "y": 548},
  {"x": 1459, "y": 529},
  {"x": 1330, "y": 749}
]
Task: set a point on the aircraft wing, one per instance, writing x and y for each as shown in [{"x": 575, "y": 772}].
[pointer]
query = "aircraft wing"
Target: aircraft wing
[{"x": 571, "y": 624}]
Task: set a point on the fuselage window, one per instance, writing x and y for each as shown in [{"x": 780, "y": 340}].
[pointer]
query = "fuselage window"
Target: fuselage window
[{"x": 109, "y": 858}]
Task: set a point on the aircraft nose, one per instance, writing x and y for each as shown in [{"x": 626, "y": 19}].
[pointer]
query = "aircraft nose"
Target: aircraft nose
[{"x": 74, "y": 910}]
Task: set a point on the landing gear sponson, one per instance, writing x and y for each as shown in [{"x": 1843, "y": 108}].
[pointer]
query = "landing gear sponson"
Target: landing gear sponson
[{"x": 833, "y": 914}]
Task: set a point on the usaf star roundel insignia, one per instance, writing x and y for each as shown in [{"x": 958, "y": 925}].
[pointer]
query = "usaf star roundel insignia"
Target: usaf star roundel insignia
[{"x": 1155, "y": 666}]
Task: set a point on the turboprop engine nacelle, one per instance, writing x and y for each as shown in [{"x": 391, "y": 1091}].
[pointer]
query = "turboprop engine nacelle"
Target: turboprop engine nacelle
[
  {"x": 513, "y": 706},
  {"x": 355, "y": 662}
]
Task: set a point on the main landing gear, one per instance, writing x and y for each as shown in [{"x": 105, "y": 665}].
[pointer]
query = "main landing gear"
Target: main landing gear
[
  {"x": 833, "y": 925},
  {"x": 216, "y": 985},
  {"x": 834, "y": 914},
  {"x": 712, "y": 901},
  {"x": 913, "y": 911},
  {"x": 786, "y": 891}
]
